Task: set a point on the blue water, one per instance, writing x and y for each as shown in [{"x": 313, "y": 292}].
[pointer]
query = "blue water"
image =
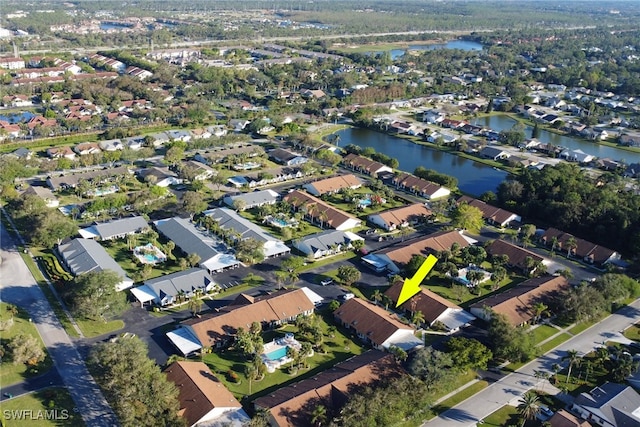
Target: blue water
[
  {"x": 277, "y": 354},
  {"x": 151, "y": 258},
  {"x": 454, "y": 44},
  {"x": 18, "y": 118},
  {"x": 365, "y": 202},
  {"x": 280, "y": 222}
]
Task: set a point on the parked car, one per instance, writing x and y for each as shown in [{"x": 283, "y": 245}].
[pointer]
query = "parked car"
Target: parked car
[
  {"x": 546, "y": 411},
  {"x": 326, "y": 282},
  {"x": 347, "y": 296}
]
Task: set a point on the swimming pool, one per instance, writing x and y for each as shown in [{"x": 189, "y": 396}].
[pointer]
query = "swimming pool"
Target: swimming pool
[
  {"x": 277, "y": 354},
  {"x": 279, "y": 221},
  {"x": 365, "y": 202}
]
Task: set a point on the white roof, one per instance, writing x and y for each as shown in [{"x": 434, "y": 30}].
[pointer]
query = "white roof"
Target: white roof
[
  {"x": 89, "y": 232},
  {"x": 184, "y": 340},
  {"x": 455, "y": 319},
  {"x": 315, "y": 298},
  {"x": 220, "y": 261},
  {"x": 143, "y": 294}
]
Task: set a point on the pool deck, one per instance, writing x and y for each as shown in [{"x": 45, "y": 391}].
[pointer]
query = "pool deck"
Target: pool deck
[{"x": 274, "y": 345}]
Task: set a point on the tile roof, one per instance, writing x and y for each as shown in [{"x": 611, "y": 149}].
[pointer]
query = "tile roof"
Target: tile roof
[
  {"x": 515, "y": 303},
  {"x": 315, "y": 207},
  {"x": 369, "y": 320},
  {"x": 199, "y": 390},
  {"x": 517, "y": 255},
  {"x": 440, "y": 241},
  {"x": 291, "y": 406},
  {"x": 403, "y": 214},
  {"x": 489, "y": 212},
  {"x": 413, "y": 182},
  {"x": 276, "y": 307},
  {"x": 336, "y": 183},
  {"x": 584, "y": 249},
  {"x": 364, "y": 164},
  {"x": 430, "y": 304}
]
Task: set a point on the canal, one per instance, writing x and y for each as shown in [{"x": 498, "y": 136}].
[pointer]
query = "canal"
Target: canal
[
  {"x": 473, "y": 177},
  {"x": 500, "y": 122}
]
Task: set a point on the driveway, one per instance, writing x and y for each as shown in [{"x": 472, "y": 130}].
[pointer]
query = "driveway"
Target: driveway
[
  {"x": 18, "y": 287},
  {"x": 511, "y": 387}
]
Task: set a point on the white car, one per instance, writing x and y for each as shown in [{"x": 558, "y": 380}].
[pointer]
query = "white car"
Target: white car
[
  {"x": 347, "y": 296},
  {"x": 326, "y": 282}
]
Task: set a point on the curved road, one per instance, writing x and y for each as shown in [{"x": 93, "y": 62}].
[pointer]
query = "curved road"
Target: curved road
[
  {"x": 510, "y": 388},
  {"x": 17, "y": 286}
]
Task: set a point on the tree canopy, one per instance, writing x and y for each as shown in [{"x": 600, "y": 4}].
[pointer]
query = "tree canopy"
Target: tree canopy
[{"x": 93, "y": 295}]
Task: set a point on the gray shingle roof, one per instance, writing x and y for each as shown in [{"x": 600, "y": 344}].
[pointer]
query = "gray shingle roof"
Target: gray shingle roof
[
  {"x": 255, "y": 198},
  {"x": 323, "y": 241},
  {"x": 186, "y": 281},
  {"x": 85, "y": 255},
  {"x": 185, "y": 235},
  {"x": 108, "y": 230}
]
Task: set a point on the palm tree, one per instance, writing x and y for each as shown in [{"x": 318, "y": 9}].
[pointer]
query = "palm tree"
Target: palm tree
[
  {"x": 555, "y": 368},
  {"x": 319, "y": 415},
  {"x": 574, "y": 360},
  {"x": 417, "y": 318},
  {"x": 571, "y": 245},
  {"x": 539, "y": 309},
  {"x": 376, "y": 296},
  {"x": 528, "y": 407},
  {"x": 195, "y": 304}
]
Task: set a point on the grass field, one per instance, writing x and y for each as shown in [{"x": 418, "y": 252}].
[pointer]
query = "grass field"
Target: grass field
[
  {"x": 11, "y": 373},
  {"x": 633, "y": 332},
  {"x": 542, "y": 332},
  {"x": 340, "y": 346},
  {"x": 50, "y": 407},
  {"x": 551, "y": 344}
]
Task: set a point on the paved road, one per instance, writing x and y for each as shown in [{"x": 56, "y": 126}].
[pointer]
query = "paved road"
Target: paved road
[
  {"x": 18, "y": 286},
  {"x": 512, "y": 386}
]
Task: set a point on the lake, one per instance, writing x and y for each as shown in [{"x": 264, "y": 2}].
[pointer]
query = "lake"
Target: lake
[
  {"x": 502, "y": 122},
  {"x": 473, "y": 177},
  {"x": 453, "y": 44}
]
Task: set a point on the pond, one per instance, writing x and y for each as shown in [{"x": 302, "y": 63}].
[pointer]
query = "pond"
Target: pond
[
  {"x": 473, "y": 177},
  {"x": 453, "y": 44}
]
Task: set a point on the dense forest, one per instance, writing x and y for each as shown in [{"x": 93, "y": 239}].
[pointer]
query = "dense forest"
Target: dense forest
[{"x": 567, "y": 197}]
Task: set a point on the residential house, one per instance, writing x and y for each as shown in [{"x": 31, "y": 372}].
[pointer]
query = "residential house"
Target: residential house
[
  {"x": 292, "y": 406},
  {"x": 45, "y": 194},
  {"x": 427, "y": 189},
  {"x": 135, "y": 143},
  {"x": 217, "y": 130},
  {"x": 160, "y": 176},
  {"x": 609, "y": 405},
  {"x": 365, "y": 165},
  {"x": 203, "y": 398},
  {"x": 213, "y": 253},
  {"x": 22, "y": 153},
  {"x": 116, "y": 229},
  {"x": 312, "y": 94},
  {"x": 400, "y": 217},
  {"x": 253, "y": 199},
  {"x": 9, "y": 130},
  {"x": 286, "y": 157},
  {"x": 238, "y": 125},
  {"x": 61, "y": 152},
  {"x": 201, "y": 171},
  {"x": 167, "y": 289},
  {"x": 84, "y": 255},
  {"x": 577, "y": 156},
  {"x": 491, "y": 214},
  {"x": 219, "y": 328},
  {"x": 398, "y": 256},
  {"x": 437, "y": 137},
  {"x": 325, "y": 243},
  {"x": 436, "y": 310},
  {"x": 433, "y": 116},
  {"x": 376, "y": 326},
  {"x": 633, "y": 170},
  {"x": 585, "y": 250},
  {"x": 201, "y": 133},
  {"x": 111, "y": 145},
  {"x": 333, "y": 185},
  {"x": 160, "y": 139},
  {"x": 179, "y": 135},
  {"x": 629, "y": 140},
  {"x": 98, "y": 176},
  {"x": 86, "y": 148},
  {"x": 517, "y": 303},
  {"x": 12, "y": 63},
  {"x": 138, "y": 72},
  {"x": 520, "y": 258},
  {"x": 494, "y": 153},
  {"x": 242, "y": 228},
  {"x": 321, "y": 212},
  {"x": 16, "y": 101},
  {"x": 563, "y": 418}
]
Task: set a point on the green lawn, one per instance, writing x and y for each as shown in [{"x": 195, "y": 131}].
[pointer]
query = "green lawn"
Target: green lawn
[
  {"x": 303, "y": 229},
  {"x": 581, "y": 327},
  {"x": 542, "y": 332},
  {"x": 337, "y": 350},
  {"x": 55, "y": 401},
  {"x": 459, "y": 294},
  {"x": 551, "y": 344},
  {"x": 326, "y": 261},
  {"x": 119, "y": 250},
  {"x": 94, "y": 328},
  {"x": 505, "y": 416},
  {"x": 11, "y": 373},
  {"x": 633, "y": 332},
  {"x": 460, "y": 397},
  {"x": 48, "y": 293}
]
